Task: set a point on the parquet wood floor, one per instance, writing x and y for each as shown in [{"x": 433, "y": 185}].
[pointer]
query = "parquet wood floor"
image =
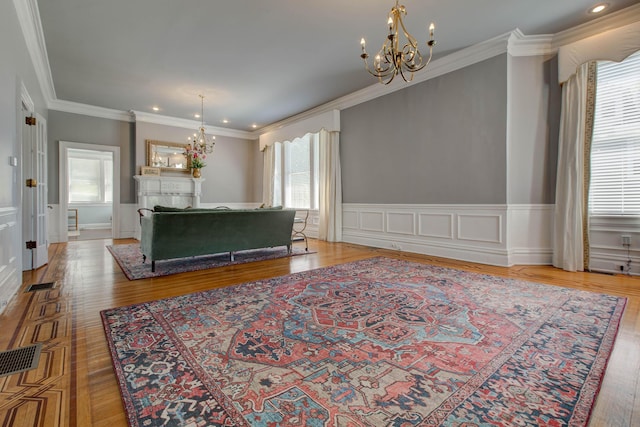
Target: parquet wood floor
[{"x": 74, "y": 384}]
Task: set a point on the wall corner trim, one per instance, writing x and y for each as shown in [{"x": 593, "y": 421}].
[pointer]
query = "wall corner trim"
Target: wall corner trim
[
  {"x": 520, "y": 44},
  {"x": 141, "y": 116}
]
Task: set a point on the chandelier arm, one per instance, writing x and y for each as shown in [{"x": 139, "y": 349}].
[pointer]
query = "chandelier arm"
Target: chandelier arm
[
  {"x": 412, "y": 40},
  {"x": 401, "y": 70},
  {"x": 378, "y": 73},
  {"x": 393, "y": 75},
  {"x": 428, "y": 59},
  {"x": 413, "y": 54}
]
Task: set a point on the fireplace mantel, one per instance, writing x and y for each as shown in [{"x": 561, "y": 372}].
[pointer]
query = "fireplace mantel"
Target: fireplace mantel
[{"x": 174, "y": 191}]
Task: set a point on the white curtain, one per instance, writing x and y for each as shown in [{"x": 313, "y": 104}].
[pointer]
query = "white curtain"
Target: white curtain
[
  {"x": 269, "y": 158},
  {"x": 330, "y": 224},
  {"x": 569, "y": 241}
]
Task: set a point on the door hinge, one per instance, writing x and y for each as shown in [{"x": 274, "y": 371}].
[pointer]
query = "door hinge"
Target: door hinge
[
  {"x": 30, "y": 121},
  {"x": 31, "y": 244},
  {"x": 32, "y": 183}
]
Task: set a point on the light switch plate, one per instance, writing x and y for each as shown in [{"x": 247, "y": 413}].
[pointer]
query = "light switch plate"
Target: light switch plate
[{"x": 13, "y": 161}]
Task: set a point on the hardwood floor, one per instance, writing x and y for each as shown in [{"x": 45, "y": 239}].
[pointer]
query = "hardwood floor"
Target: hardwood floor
[{"x": 74, "y": 384}]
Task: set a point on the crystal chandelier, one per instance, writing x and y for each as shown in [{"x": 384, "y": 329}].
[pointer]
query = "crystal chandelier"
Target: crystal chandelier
[
  {"x": 203, "y": 143},
  {"x": 391, "y": 59}
]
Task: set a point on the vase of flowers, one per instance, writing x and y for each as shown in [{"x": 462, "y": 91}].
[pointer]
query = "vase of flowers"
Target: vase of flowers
[{"x": 196, "y": 158}]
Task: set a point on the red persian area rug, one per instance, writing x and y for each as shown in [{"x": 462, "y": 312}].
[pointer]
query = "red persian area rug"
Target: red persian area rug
[
  {"x": 129, "y": 258},
  {"x": 378, "y": 342}
]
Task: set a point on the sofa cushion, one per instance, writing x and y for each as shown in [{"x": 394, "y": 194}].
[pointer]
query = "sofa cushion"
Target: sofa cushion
[{"x": 158, "y": 208}]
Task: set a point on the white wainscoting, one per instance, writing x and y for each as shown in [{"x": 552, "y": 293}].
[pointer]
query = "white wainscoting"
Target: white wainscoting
[
  {"x": 530, "y": 234},
  {"x": 129, "y": 221},
  {"x": 502, "y": 235},
  {"x": 607, "y": 253},
  {"x": 124, "y": 230},
  {"x": 10, "y": 274},
  {"x": 129, "y": 226}
]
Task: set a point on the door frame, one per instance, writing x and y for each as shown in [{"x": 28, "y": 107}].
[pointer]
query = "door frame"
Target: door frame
[
  {"x": 64, "y": 185},
  {"x": 33, "y": 199}
]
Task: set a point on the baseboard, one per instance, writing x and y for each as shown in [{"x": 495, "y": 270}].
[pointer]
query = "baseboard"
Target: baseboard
[
  {"x": 459, "y": 252},
  {"x": 95, "y": 226}
]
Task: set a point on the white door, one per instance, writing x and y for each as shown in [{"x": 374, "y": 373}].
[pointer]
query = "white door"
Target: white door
[{"x": 34, "y": 196}]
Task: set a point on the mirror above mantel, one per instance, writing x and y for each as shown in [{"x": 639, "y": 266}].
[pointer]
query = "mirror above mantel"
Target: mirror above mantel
[{"x": 168, "y": 156}]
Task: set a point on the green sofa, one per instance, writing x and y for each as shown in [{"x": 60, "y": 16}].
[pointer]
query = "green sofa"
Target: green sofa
[{"x": 190, "y": 232}]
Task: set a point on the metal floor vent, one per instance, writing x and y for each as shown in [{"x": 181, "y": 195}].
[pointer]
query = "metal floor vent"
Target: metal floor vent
[
  {"x": 41, "y": 286},
  {"x": 19, "y": 359}
]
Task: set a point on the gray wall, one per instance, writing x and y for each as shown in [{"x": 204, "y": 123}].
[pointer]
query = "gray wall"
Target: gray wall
[
  {"x": 15, "y": 67},
  {"x": 91, "y": 130},
  {"x": 440, "y": 141},
  {"x": 534, "y": 117},
  {"x": 229, "y": 174}
]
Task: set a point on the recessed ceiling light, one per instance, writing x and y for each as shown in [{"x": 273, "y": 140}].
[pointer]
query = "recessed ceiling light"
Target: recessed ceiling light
[
  {"x": 598, "y": 8},
  {"x": 254, "y": 125},
  {"x": 155, "y": 108},
  {"x": 197, "y": 116},
  {"x": 225, "y": 121}
]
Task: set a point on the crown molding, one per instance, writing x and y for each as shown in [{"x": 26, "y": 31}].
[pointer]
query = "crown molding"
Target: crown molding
[
  {"x": 29, "y": 19},
  {"x": 455, "y": 61},
  {"x": 89, "y": 110},
  {"x": 536, "y": 45},
  {"x": 141, "y": 116},
  {"x": 513, "y": 42},
  {"x": 613, "y": 20}
]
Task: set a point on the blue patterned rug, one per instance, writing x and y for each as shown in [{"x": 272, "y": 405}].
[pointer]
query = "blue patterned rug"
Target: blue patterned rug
[{"x": 129, "y": 258}]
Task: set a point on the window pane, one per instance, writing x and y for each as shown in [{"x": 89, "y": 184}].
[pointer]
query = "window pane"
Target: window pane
[
  {"x": 300, "y": 190},
  {"x": 298, "y": 179},
  {"x": 84, "y": 180},
  {"x": 615, "y": 153}
]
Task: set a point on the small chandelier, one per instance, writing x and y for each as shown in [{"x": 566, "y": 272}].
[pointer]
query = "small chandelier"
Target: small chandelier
[
  {"x": 391, "y": 59},
  {"x": 203, "y": 143}
]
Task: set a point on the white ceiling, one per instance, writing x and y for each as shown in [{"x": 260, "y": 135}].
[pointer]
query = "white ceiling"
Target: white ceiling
[{"x": 257, "y": 61}]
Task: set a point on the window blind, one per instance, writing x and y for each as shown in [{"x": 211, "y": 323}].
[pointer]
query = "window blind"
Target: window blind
[{"x": 615, "y": 151}]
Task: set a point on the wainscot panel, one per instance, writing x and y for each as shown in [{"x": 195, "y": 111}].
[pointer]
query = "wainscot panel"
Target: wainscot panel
[
  {"x": 10, "y": 276},
  {"x": 490, "y": 234},
  {"x": 608, "y": 253},
  {"x": 530, "y": 234}
]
